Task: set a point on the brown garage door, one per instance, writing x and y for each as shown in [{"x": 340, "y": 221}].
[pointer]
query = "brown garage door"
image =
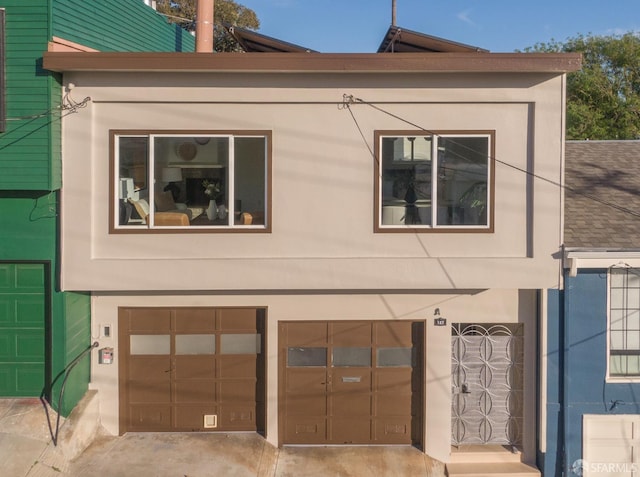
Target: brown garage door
[
  {"x": 191, "y": 369},
  {"x": 347, "y": 382}
]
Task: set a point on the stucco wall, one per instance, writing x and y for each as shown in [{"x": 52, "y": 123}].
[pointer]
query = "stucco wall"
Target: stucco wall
[
  {"x": 490, "y": 306},
  {"x": 322, "y": 233}
]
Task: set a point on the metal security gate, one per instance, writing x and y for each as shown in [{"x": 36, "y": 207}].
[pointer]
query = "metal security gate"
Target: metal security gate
[
  {"x": 192, "y": 369},
  {"x": 22, "y": 329},
  {"x": 351, "y": 382},
  {"x": 487, "y": 379}
]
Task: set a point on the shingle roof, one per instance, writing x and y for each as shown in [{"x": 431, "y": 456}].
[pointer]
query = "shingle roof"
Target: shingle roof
[{"x": 602, "y": 194}]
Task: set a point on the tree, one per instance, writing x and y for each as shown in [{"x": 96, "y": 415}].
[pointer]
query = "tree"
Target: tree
[
  {"x": 225, "y": 11},
  {"x": 603, "y": 98}
]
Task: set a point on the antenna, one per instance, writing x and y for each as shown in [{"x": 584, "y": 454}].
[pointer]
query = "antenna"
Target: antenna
[{"x": 393, "y": 12}]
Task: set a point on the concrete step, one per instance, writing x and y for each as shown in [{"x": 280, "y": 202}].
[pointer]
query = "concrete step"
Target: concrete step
[
  {"x": 484, "y": 454},
  {"x": 495, "y": 469}
]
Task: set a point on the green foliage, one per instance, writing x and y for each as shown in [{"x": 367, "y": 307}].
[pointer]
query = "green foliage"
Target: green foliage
[
  {"x": 225, "y": 11},
  {"x": 603, "y": 98}
]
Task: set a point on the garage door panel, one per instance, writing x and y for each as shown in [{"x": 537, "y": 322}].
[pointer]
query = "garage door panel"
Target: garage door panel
[
  {"x": 389, "y": 379},
  {"x": 306, "y": 430},
  {"x": 142, "y": 320},
  {"x": 29, "y": 379},
  {"x": 149, "y": 367},
  {"x": 238, "y": 390},
  {"x": 7, "y": 313},
  {"x": 391, "y": 404},
  {"x": 304, "y": 404},
  {"x": 306, "y": 334},
  {"x": 7, "y": 346},
  {"x": 393, "y": 430},
  {"x": 238, "y": 416},
  {"x": 194, "y": 320},
  {"x": 237, "y": 319},
  {"x": 393, "y": 333},
  {"x": 233, "y": 366},
  {"x": 190, "y": 417},
  {"x": 29, "y": 276},
  {"x": 350, "y": 430},
  {"x": 350, "y": 404},
  {"x": 29, "y": 310},
  {"x": 193, "y": 391},
  {"x": 194, "y": 367},
  {"x": 29, "y": 346},
  {"x": 351, "y": 379},
  {"x": 305, "y": 380},
  {"x": 350, "y": 333},
  {"x": 149, "y": 391},
  {"x": 149, "y": 417}
]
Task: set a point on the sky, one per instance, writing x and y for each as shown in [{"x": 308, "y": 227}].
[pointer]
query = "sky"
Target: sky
[{"x": 358, "y": 26}]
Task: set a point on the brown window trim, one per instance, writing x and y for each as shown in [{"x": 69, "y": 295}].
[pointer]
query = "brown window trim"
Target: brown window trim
[
  {"x": 377, "y": 228},
  {"x": 113, "y": 133}
]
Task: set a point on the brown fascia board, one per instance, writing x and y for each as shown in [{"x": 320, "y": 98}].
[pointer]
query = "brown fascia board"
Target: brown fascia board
[{"x": 472, "y": 62}]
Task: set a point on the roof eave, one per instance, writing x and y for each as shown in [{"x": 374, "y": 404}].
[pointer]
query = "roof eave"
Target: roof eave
[{"x": 313, "y": 62}]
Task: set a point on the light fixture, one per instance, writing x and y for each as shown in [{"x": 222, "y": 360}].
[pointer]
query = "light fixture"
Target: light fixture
[{"x": 171, "y": 175}]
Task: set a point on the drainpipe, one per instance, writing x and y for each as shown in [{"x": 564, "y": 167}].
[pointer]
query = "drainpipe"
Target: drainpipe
[{"x": 204, "y": 26}]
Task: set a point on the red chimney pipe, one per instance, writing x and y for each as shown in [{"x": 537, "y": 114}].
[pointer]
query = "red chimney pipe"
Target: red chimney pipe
[{"x": 204, "y": 26}]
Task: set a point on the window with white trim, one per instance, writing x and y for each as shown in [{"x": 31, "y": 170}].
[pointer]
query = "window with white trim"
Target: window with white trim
[
  {"x": 191, "y": 181},
  {"x": 433, "y": 181},
  {"x": 624, "y": 322}
]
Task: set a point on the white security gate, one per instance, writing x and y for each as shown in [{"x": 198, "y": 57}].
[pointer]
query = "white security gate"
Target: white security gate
[{"x": 487, "y": 366}]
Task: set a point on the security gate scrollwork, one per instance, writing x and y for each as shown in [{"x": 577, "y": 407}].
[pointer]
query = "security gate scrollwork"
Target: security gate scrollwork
[{"x": 487, "y": 366}]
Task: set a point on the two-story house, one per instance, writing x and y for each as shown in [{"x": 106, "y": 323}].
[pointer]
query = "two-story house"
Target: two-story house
[
  {"x": 43, "y": 328},
  {"x": 591, "y": 345},
  {"x": 322, "y": 248}
]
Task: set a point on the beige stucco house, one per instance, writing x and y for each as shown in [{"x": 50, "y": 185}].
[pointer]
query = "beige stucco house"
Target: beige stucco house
[{"x": 323, "y": 248}]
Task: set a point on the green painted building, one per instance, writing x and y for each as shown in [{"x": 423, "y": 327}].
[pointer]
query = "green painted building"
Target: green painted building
[{"x": 42, "y": 330}]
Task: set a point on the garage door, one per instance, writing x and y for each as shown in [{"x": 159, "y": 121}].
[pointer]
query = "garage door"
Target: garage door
[
  {"x": 347, "y": 382},
  {"x": 191, "y": 369},
  {"x": 611, "y": 446},
  {"x": 22, "y": 329}
]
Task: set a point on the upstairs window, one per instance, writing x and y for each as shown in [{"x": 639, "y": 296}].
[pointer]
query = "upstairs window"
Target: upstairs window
[
  {"x": 434, "y": 181},
  {"x": 187, "y": 182},
  {"x": 624, "y": 322}
]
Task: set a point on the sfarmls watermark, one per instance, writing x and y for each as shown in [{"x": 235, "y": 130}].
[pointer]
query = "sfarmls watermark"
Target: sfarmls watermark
[{"x": 582, "y": 467}]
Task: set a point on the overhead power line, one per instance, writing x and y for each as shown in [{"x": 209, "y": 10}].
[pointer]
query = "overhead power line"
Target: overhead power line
[{"x": 349, "y": 100}]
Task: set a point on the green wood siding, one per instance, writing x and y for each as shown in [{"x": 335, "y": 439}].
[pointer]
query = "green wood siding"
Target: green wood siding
[
  {"x": 71, "y": 340},
  {"x": 117, "y": 25},
  {"x": 26, "y": 145}
]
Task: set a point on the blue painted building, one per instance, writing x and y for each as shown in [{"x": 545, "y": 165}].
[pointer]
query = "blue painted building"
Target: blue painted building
[{"x": 590, "y": 345}]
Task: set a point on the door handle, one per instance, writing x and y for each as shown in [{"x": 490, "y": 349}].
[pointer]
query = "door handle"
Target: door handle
[{"x": 465, "y": 389}]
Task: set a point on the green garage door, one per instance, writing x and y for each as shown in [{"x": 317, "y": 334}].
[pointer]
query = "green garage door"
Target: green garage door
[{"x": 22, "y": 338}]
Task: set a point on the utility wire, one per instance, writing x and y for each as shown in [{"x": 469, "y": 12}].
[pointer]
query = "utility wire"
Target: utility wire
[
  {"x": 350, "y": 99},
  {"x": 68, "y": 106}
]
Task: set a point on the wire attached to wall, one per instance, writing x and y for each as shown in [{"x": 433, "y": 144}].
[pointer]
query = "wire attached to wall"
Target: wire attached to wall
[{"x": 349, "y": 100}]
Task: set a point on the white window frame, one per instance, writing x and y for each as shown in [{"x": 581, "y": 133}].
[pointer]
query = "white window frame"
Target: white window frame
[
  {"x": 433, "y": 226},
  {"x": 609, "y": 377}
]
